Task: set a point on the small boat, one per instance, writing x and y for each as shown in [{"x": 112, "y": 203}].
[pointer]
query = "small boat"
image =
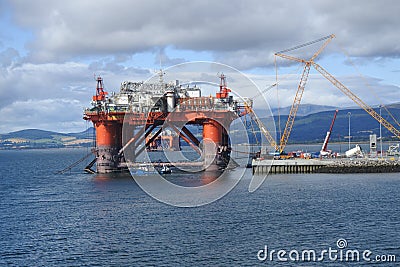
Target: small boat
[
  {"x": 143, "y": 169},
  {"x": 165, "y": 169}
]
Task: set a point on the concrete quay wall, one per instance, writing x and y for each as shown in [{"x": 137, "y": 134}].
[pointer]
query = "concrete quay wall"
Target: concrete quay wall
[{"x": 325, "y": 166}]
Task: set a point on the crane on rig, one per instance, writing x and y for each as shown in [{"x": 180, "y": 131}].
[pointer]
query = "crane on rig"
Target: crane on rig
[
  {"x": 300, "y": 90},
  {"x": 263, "y": 128}
]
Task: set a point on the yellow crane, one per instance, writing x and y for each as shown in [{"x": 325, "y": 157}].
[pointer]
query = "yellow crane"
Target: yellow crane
[
  {"x": 334, "y": 81},
  {"x": 296, "y": 102},
  {"x": 300, "y": 89}
]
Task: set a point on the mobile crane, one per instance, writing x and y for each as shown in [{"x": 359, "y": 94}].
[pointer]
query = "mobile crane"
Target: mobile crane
[{"x": 324, "y": 152}]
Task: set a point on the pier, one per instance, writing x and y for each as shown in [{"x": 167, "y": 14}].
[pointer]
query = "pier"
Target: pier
[
  {"x": 269, "y": 166},
  {"x": 287, "y": 166}
]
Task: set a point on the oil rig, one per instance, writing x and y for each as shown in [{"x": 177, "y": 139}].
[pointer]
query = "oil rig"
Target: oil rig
[{"x": 130, "y": 122}]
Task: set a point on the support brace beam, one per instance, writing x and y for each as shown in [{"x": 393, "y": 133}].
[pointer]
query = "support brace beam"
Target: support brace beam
[
  {"x": 191, "y": 136},
  {"x": 150, "y": 140},
  {"x": 132, "y": 140},
  {"x": 196, "y": 148}
]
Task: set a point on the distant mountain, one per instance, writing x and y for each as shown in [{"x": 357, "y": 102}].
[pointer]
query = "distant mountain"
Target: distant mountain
[
  {"x": 33, "y": 134},
  {"x": 307, "y": 109},
  {"x": 304, "y": 109},
  {"x": 313, "y": 127},
  {"x": 89, "y": 133},
  {"x": 394, "y": 105},
  {"x": 35, "y": 138},
  {"x": 309, "y": 128}
]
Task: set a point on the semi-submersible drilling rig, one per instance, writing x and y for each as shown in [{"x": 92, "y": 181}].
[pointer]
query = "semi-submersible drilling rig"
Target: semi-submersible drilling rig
[{"x": 140, "y": 112}]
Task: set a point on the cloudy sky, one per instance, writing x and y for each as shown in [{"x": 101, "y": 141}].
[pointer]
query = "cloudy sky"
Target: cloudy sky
[{"x": 50, "y": 50}]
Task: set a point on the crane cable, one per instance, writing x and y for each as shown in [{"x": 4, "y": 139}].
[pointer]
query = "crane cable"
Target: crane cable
[
  {"x": 303, "y": 45},
  {"x": 255, "y": 137},
  {"x": 366, "y": 83},
  {"x": 252, "y": 128},
  {"x": 277, "y": 98},
  {"x": 285, "y": 77}
]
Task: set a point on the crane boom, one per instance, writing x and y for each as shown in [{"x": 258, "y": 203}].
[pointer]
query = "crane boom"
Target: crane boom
[
  {"x": 328, "y": 133},
  {"x": 333, "y": 120},
  {"x": 356, "y": 99},
  {"x": 265, "y": 90},
  {"x": 328, "y": 40},
  {"x": 294, "y": 108},
  {"x": 290, "y": 57}
]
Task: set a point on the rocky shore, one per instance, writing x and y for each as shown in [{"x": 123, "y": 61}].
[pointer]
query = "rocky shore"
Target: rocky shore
[{"x": 361, "y": 166}]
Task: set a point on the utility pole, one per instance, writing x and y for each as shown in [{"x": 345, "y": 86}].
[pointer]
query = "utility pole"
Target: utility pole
[
  {"x": 349, "y": 114},
  {"x": 380, "y": 130}
]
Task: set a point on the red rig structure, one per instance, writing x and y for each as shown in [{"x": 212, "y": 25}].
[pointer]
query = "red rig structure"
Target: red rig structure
[{"x": 128, "y": 122}]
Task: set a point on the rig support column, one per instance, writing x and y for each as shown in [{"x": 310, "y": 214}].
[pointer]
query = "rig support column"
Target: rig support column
[
  {"x": 213, "y": 140},
  {"x": 108, "y": 137}
]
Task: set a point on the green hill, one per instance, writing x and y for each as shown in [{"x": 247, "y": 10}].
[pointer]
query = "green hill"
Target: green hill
[
  {"x": 309, "y": 128},
  {"x": 35, "y": 138},
  {"x": 313, "y": 127}
]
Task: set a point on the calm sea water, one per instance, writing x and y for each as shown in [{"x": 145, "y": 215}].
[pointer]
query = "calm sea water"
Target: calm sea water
[{"x": 79, "y": 219}]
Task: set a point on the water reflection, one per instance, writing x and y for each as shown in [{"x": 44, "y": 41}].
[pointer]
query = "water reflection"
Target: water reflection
[{"x": 106, "y": 177}]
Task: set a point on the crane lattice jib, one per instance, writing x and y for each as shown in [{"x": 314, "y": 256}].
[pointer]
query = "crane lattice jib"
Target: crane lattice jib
[
  {"x": 290, "y": 57},
  {"x": 357, "y": 100},
  {"x": 267, "y": 134},
  {"x": 302, "y": 84},
  {"x": 295, "y": 107}
]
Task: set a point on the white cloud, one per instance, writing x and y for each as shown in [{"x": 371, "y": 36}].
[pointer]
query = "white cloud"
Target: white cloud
[
  {"x": 52, "y": 96},
  {"x": 49, "y": 114},
  {"x": 233, "y": 30},
  {"x": 320, "y": 91},
  {"x": 72, "y": 40}
]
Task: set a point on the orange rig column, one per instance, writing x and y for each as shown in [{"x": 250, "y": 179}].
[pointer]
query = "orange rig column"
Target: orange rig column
[
  {"x": 109, "y": 142},
  {"x": 215, "y": 143}
]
